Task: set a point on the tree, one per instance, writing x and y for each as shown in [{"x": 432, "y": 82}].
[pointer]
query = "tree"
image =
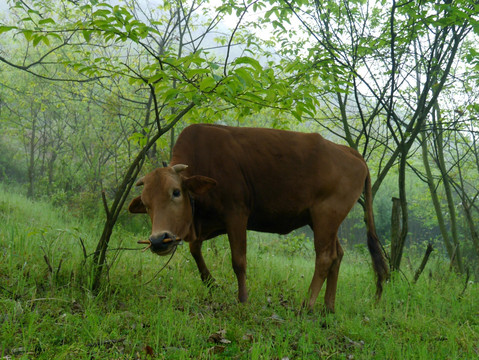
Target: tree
[
  {"x": 450, "y": 239},
  {"x": 168, "y": 73},
  {"x": 361, "y": 51}
]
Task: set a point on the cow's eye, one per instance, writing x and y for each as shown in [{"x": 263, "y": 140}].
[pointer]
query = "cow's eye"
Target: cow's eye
[{"x": 176, "y": 193}]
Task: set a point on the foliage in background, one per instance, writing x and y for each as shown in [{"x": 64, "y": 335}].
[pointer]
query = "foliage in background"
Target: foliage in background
[{"x": 153, "y": 63}]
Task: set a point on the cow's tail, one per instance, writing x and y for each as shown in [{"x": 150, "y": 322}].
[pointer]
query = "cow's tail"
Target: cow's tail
[{"x": 377, "y": 254}]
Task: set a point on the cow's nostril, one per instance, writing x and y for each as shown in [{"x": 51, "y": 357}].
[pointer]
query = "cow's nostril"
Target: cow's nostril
[
  {"x": 156, "y": 239},
  {"x": 161, "y": 242}
]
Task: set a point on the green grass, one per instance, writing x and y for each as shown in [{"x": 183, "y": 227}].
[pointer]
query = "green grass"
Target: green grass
[{"x": 50, "y": 313}]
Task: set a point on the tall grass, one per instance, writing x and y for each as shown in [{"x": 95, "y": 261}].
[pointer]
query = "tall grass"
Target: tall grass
[{"x": 47, "y": 311}]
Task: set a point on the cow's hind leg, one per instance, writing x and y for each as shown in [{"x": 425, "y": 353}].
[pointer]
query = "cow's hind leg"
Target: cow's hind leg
[
  {"x": 326, "y": 222},
  {"x": 332, "y": 279},
  {"x": 323, "y": 264},
  {"x": 195, "y": 250}
]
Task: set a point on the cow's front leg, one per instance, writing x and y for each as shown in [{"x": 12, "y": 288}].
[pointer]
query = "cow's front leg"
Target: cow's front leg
[
  {"x": 195, "y": 250},
  {"x": 237, "y": 238}
]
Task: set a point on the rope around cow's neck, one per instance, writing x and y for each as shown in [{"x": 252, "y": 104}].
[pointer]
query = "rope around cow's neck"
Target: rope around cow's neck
[
  {"x": 153, "y": 278},
  {"x": 142, "y": 249}
]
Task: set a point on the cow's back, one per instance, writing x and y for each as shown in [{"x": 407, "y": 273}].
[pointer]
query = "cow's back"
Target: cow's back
[{"x": 274, "y": 175}]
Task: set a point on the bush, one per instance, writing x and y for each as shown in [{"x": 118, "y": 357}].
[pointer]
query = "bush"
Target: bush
[
  {"x": 291, "y": 244},
  {"x": 86, "y": 204},
  {"x": 11, "y": 170}
]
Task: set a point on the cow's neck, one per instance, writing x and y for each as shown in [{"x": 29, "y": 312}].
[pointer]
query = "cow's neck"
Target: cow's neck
[
  {"x": 192, "y": 203},
  {"x": 193, "y": 231}
]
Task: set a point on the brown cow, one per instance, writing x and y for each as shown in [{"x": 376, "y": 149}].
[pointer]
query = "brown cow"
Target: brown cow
[{"x": 225, "y": 180}]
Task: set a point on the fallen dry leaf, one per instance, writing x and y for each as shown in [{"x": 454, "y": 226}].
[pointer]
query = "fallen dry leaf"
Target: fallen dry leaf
[
  {"x": 352, "y": 343},
  {"x": 219, "y": 337},
  {"x": 277, "y": 318},
  {"x": 149, "y": 350},
  {"x": 283, "y": 302},
  {"x": 217, "y": 349},
  {"x": 248, "y": 337}
]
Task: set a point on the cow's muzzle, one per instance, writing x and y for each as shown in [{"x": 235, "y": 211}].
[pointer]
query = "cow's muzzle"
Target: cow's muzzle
[{"x": 162, "y": 244}]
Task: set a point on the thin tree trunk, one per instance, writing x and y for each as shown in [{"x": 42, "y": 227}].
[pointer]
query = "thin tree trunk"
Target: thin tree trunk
[
  {"x": 456, "y": 260},
  {"x": 172, "y": 142},
  {"x": 419, "y": 271},
  {"x": 113, "y": 211},
  {"x": 31, "y": 162},
  {"x": 395, "y": 232},
  {"x": 467, "y": 200},
  {"x": 51, "y": 169},
  {"x": 435, "y": 198},
  {"x": 401, "y": 239}
]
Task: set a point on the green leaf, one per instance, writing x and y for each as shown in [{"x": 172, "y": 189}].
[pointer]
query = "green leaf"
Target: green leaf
[
  {"x": 297, "y": 115},
  {"x": 102, "y": 13},
  {"x": 4, "y": 28},
  {"x": 207, "y": 84},
  {"x": 254, "y": 97},
  {"x": 28, "y": 35},
  {"x": 55, "y": 35},
  {"x": 138, "y": 138},
  {"x": 197, "y": 98},
  {"x": 278, "y": 24},
  {"x": 37, "y": 39},
  {"x": 249, "y": 61},
  {"x": 160, "y": 75},
  {"x": 244, "y": 76},
  {"x": 134, "y": 81},
  {"x": 213, "y": 65},
  {"x": 193, "y": 72},
  {"x": 87, "y": 35},
  {"x": 46, "y": 21},
  {"x": 170, "y": 94}
]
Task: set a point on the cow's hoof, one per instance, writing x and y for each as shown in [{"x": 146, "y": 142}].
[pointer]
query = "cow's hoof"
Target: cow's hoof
[{"x": 210, "y": 282}]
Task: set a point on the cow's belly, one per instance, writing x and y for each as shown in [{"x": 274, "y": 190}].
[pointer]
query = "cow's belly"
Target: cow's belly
[{"x": 279, "y": 223}]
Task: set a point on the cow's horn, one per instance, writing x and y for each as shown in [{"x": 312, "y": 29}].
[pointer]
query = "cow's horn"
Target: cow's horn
[
  {"x": 179, "y": 168},
  {"x": 140, "y": 182}
]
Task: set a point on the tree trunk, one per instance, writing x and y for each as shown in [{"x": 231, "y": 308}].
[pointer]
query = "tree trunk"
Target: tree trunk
[
  {"x": 456, "y": 258},
  {"x": 466, "y": 199},
  {"x": 112, "y": 212},
  {"x": 395, "y": 233},
  {"x": 172, "y": 142},
  {"x": 419, "y": 271},
  {"x": 435, "y": 198},
  {"x": 31, "y": 161},
  {"x": 403, "y": 203},
  {"x": 51, "y": 168},
  {"x": 402, "y": 213}
]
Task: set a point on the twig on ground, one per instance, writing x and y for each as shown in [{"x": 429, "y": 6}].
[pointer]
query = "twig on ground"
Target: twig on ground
[
  {"x": 419, "y": 271},
  {"x": 465, "y": 284},
  {"x": 106, "y": 342},
  {"x": 83, "y": 249},
  {"x": 45, "y": 257}
]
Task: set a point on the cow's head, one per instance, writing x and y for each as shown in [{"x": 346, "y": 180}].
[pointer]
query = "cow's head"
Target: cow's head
[{"x": 166, "y": 197}]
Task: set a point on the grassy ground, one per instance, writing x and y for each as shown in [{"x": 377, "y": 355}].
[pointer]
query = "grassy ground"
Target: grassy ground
[{"x": 47, "y": 311}]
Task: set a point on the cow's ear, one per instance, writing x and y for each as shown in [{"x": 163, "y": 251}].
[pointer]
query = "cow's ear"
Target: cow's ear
[
  {"x": 136, "y": 206},
  {"x": 198, "y": 184}
]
